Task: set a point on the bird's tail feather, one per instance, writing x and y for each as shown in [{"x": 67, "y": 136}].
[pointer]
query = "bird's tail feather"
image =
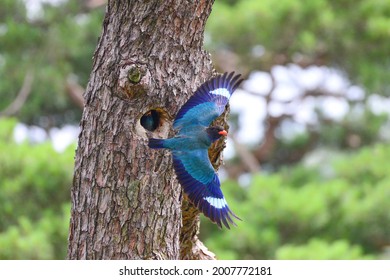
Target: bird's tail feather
[{"x": 156, "y": 143}]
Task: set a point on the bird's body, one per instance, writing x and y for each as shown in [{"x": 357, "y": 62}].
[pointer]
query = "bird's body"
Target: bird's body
[
  {"x": 190, "y": 146},
  {"x": 182, "y": 142}
]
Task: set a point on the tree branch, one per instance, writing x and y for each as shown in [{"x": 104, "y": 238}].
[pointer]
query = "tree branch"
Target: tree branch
[
  {"x": 21, "y": 98},
  {"x": 92, "y": 4},
  {"x": 75, "y": 92},
  {"x": 248, "y": 159}
]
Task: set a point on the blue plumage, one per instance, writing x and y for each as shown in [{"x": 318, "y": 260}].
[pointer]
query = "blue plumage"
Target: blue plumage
[
  {"x": 190, "y": 146},
  {"x": 208, "y": 102}
]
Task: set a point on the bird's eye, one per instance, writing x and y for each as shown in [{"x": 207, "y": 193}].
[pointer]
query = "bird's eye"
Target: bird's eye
[{"x": 151, "y": 120}]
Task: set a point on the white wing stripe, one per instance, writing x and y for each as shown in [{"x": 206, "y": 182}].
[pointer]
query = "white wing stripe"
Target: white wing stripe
[
  {"x": 218, "y": 203},
  {"x": 221, "y": 91}
]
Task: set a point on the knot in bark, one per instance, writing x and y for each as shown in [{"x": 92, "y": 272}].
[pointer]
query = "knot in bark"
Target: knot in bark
[{"x": 133, "y": 81}]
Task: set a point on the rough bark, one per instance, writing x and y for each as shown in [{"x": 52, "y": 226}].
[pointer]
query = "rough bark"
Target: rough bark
[{"x": 126, "y": 202}]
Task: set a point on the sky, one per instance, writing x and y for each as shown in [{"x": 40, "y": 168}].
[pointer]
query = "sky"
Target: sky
[{"x": 34, "y": 7}]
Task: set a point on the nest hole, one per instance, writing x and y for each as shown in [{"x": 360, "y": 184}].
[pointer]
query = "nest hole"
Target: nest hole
[
  {"x": 154, "y": 123},
  {"x": 156, "y": 120},
  {"x": 151, "y": 120}
]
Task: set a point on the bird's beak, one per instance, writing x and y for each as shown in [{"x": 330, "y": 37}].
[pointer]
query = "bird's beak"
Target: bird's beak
[{"x": 223, "y": 132}]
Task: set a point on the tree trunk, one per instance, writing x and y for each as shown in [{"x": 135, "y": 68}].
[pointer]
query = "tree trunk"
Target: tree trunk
[{"x": 126, "y": 201}]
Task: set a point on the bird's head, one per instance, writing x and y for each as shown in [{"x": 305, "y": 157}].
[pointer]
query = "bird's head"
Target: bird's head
[{"x": 215, "y": 132}]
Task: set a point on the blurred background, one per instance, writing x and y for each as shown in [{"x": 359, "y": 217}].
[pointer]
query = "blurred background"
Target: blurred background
[{"x": 307, "y": 160}]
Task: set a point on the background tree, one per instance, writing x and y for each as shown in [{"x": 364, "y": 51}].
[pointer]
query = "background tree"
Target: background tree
[
  {"x": 125, "y": 201},
  {"x": 350, "y": 36},
  {"x": 46, "y": 44},
  {"x": 293, "y": 37}
]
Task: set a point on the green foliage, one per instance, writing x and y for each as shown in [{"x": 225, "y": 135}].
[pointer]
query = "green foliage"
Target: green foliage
[
  {"x": 336, "y": 210},
  {"x": 365, "y": 127},
  {"x": 6, "y": 130},
  {"x": 34, "y": 198},
  {"x": 43, "y": 239},
  {"x": 53, "y": 46},
  {"x": 319, "y": 249},
  {"x": 352, "y": 35}
]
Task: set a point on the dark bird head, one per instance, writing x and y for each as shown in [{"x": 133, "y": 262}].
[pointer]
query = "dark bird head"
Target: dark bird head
[
  {"x": 215, "y": 132},
  {"x": 151, "y": 120}
]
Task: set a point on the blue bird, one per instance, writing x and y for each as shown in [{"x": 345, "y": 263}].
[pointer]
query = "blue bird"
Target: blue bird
[{"x": 190, "y": 146}]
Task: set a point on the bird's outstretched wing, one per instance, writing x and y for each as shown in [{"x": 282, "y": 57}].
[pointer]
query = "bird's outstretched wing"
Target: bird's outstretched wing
[
  {"x": 208, "y": 102},
  {"x": 201, "y": 184}
]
